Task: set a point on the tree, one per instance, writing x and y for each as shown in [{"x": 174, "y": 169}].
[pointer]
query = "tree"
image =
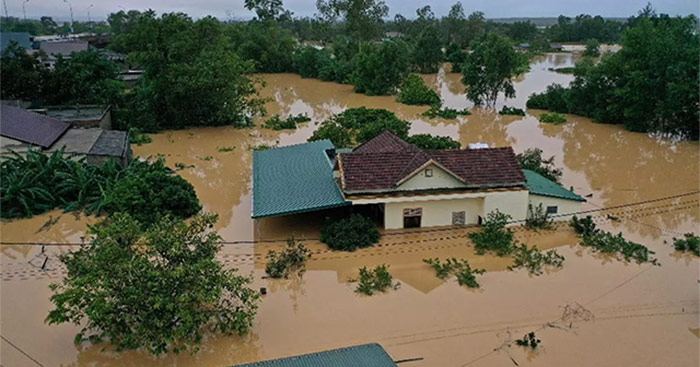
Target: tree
[
  {"x": 522, "y": 31},
  {"x": 87, "y": 77},
  {"x": 427, "y": 53},
  {"x": 358, "y": 125},
  {"x": 430, "y": 142},
  {"x": 415, "y": 92},
  {"x": 379, "y": 69},
  {"x": 489, "y": 70},
  {"x": 161, "y": 290},
  {"x": 363, "y": 18},
  {"x": 475, "y": 28},
  {"x": 49, "y": 24},
  {"x": 265, "y": 44},
  {"x": 531, "y": 159},
  {"x": 454, "y": 22},
  {"x": 592, "y": 48},
  {"x": 455, "y": 56},
  {"x": 21, "y": 73},
  {"x": 265, "y": 9}
]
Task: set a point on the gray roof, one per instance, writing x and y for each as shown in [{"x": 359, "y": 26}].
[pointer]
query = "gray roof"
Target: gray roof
[
  {"x": 20, "y": 37},
  {"x": 30, "y": 127},
  {"x": 79, "y": 141},
  {"x": 64, "y": 48},
  {"x": 366, "y": 355},
  {"x": 112, "y": 143}
]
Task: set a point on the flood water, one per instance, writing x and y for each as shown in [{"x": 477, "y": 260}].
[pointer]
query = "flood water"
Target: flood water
[{"x": 627, "y": 314}]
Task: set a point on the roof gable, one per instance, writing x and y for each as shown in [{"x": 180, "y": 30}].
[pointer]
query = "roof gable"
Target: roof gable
[
  {"x": 30, "y": 127},
  {"x": 386, "y": 142}
]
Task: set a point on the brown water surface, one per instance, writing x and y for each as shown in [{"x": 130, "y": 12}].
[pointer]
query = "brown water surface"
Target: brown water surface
[{"x": 642, "y": 313}]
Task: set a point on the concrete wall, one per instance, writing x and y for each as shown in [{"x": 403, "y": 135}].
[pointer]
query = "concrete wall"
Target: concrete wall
[
  {"x": 439, "y": 180},
  {"x": 435, "y": 212},
  {"x": 513, "y": 203},
  {"x": 563, "y": 206}
]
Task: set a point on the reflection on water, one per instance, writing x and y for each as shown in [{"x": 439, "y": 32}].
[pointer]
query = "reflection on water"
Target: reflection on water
[{"x": 427, "y": 317}]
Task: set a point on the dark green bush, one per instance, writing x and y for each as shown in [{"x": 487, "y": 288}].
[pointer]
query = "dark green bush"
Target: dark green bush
[
  {"x": 531, "y": 159},
  {"x": 431, "y": 142},
  {"x": 358, "y": 125},
  {"x": 537, "y": 217},
  {"x": 445, "y": 113},
  {"x": 290, "y": 259},
  {"x": 553, "y": 117},
  {"x": 584, "y": 227},
  {"x": 349, "y": 234},
  {"x": 609, "y": 243},
  {"x": 529, "y": 340},
  {"x": 535, "y": 260},
  {"x": 276, "y": 123},
  {"x": 493, "y": 236},
  {"x": 511, "y": 111},
  {"x": 414, "y": 92},
  {"x": 138, "y": 138},
  {"x": 459, "y": 268},
  {"x": 375, "y": 280},
  {"x": 555, "y": 98},
  {"x": 690, "y": 243}
]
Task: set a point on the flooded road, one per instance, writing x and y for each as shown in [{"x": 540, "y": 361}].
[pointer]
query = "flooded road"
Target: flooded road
[{"x": 637, "y": 314}]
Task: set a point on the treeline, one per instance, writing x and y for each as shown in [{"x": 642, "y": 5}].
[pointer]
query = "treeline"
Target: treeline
[
  {"x": 650, "y": 85},
  {"x": 46, "y": 26}
]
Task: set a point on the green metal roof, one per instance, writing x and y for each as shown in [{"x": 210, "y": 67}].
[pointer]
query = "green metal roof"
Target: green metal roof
[
  {"x": 294, "y": 179},
  {"x": 366, "y": 355},
  {"x": 539, "y": 185}
]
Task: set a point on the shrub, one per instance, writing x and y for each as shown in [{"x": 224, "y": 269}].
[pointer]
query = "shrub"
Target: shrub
[
  {"x": 445, "y": 113},
  {"x": 290, "y": 259},
  {"x": 138, "y": 138},
  {"x": 379, "y": 69},
  {"x": 555, "y": 98},
  {"x": 511, "y": 111},
  {"x": 276, "y": 123},
  {"x": 553, "y": 117},
  {"x": 307, "y": 61},
  {"x": 529, "y": 340},
  {"x": 690, "y": 243},
  {"x": 531, "y": 159},
  {"x": 537, "y": 218},
  {"x": 358, "y": 125},
  {"x": 348, "y": 234},
  {"x": 535, "y": 260},
  {"x": 609, "y": 243},
  {"x": 227, "y": 149},
  {"x": 564, "y": 70},
  {"x": 414, "y": 92},
  {"x": 493, "y": 235},
  {"x": 584, "y": 227},
  {"x": 459, "y": 268},
  {"x": 375, "y": 280},
  {"x": 592, "y": 48},
  {"x": 430, "y": 142}
]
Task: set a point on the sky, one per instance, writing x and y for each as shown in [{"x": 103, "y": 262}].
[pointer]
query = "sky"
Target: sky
[{"x": 226, "y": 9}]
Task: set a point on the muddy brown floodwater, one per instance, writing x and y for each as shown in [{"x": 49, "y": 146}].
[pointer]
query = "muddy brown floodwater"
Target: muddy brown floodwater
[{"x": 635, "y": 314}]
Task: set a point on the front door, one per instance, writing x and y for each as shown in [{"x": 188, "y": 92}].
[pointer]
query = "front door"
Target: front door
[{"x": 411, "y": 217}]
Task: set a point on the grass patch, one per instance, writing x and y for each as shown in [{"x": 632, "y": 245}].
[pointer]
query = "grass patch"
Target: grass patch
[
  {"x": 287, "y": 261},
  {"x": 375, "y": 280},
  {"x": 535, "y": 260},
  {"x": 689, "y": 243},
  {"x": 466, "y": 276},
  {"x": 511, "y": 111},
  {"x": 446, "y": 113},
  {"x": 608, "y": 243},
  {"x": 276, "y": 123},
  {"x": 553, "y": 117}
]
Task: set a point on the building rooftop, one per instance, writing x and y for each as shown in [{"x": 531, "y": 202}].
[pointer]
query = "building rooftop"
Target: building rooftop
[
  {"x": 539, "y": 185},
  {"x": 366, "y": 355},
  {"x": 64, "y": 48},
  {"x": 22, "y": 38},
  {"x": 112, "y": 143},
  {"x": 294, "y": 179},
  {"x": 30, "y": 127}
]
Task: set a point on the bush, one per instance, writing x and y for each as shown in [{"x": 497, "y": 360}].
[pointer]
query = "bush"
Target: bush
[
  {"x": 460, "y": 268},
  {"x": 375, "y": 280},
  {"x": 379, "y": 69},
  {"x": 690, "y": 243},
  {"x": 555, "y": 98},
  {"x": 349, "y": 234},
  {"x": 553, "y": 117},
  {"x": 535, "y": 260},
  {"x": 511, "y": 111},
  {"x": 592, "y": 48},
  {"x": 583, "y": 227},
  {"x": 276, "y": 123},
  {"x": 537, "y": 218},
  {"x": 430, "y": 142},
  {"x": 445, "y": 113},
  {"x": 292, "y": 258},
  {"x": 493, "y": 236},
  {"x": 358, "y": 125},
  {"x": 609, "y": 243},
  {"x": 531, "y": 159},
  {"x": 414, "y": 92},
  {"x": 529, "y": 340},
  {"x": 138, "y": 138},
  {"x": 308, "y": 61}
]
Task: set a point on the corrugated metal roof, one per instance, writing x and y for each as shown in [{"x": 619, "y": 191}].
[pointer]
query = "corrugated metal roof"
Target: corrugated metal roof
[
  {"x": 22, "y": 38},
  {"x": 539, "y": 185},
  {"x": 30, "y": 127},
  {"x": 366, "y": 355},
  {"x": 294, "y": 179},
  {"x": 112, "y": 143}
]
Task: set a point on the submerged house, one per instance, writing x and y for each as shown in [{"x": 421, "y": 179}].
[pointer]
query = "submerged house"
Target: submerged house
[
  {"x": 407, "y": 186},
  {"x": 365, "y": 355}
]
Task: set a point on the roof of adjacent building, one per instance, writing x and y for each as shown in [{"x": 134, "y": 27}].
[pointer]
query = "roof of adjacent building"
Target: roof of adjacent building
[
  {"x": 30, "y": 127},
  {"x": 112, "y": 143},
  {"x": 294, "y": 179},
  {"x": 366, "y": 355},
  {"x": 539, "y": 185},
  {"x": 386, "y": 161},
  {"x": 64, "y": 48},
  {"x": 22, "y": 38}
]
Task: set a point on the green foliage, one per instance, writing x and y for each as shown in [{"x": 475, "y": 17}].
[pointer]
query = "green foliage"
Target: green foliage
[
  {"x": 691, "y": 243},
  {"x": 138, "y": 138},
  {"x": 262, "y": 147},
  {"x": 456, "y": 56},
  {"x": 584, "y": 227},
  {"x": 379, "y": 69},
  {"x": 431, "y": 142},
  {"x": 532, "y": 160},
  {"x": 461, "y": 269},
  {"x": 592, "y": 48},
  {"x": 375, "y": 280},
  {"x": 414, "y": 92},
  {"x": 555, "y": 98},
  {"x": 564, "y": 70},
  {"x": 493, "y": 236},
  {"x": 436, "y": 111},
  {"x": 553, "y": 117},
  {"x": 584, "y": 27},
  {"x": 609, "y": 243},
  {"x": 537, "y": 217},
  {"x": 21, "y": 73},
  {"x": 276, "y": 123},
  {"x": 291, "y": 259},
  {"x": 309, "y": 61},
  {"x": 511, "y": 111},
  {"x": 269, "y": 48},
  {"x": 349, "y": 234},
  {"x": 161, "y": 290},
  {"x": 86, "y": 77},
  {"x": 227, "y": 149},
  {"x": 427, "y": 52},
  {"x": 358, "y": 125},
  {"x": 529, "y": 340},
  {"x": 362, "y": 18},
  {"x": 535, "y": 260},
  {"x": 489, "y": 70}
]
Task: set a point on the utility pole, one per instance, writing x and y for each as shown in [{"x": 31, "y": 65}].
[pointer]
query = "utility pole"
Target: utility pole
[
  {"x": 24, "y": 12},
  {"x": 4, "y": 3},
  {"x": 91, "y": 5},
  {"x": 71, "y": 14}
]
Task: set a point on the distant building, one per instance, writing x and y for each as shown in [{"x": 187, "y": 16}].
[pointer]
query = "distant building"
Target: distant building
[
  {"x": 54, "y": 49},
  {"x": 556, "y": 47},
  {"x": 366, "y": 355},
  {"x": 393, "y": 35},
  {"x": 130, "y": 76},
  {"x": 22, "y": 38},
  {"x": 81, "y": 116},
  {"x": 407, "y": 186},
  {"x": 22, "y": 130}
]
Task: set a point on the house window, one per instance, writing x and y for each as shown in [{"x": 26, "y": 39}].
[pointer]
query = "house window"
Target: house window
[
  {"x": 428, "y": 172},
  {"x": 552, "y": 209},
  {"x": 412, "y": 217},
  {"x": 458, "y": 218}
]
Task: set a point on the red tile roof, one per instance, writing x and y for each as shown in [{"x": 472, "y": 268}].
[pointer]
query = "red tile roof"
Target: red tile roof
[{"x": 380, "y": 164}]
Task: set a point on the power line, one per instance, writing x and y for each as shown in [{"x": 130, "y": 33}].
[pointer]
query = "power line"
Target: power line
[{"x": 21, "y": 351}]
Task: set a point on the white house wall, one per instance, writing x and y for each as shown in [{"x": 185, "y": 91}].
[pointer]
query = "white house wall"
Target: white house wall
[
  {"x": 563, "y": 206},
  {"x": 439, "y": 180},
  {"x": 513, "y": 203}
]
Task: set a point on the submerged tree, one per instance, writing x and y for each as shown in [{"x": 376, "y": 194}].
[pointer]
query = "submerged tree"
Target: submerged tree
[
  {"x": 161, "y": 290},
  {"x": 363, "y": 18}
]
